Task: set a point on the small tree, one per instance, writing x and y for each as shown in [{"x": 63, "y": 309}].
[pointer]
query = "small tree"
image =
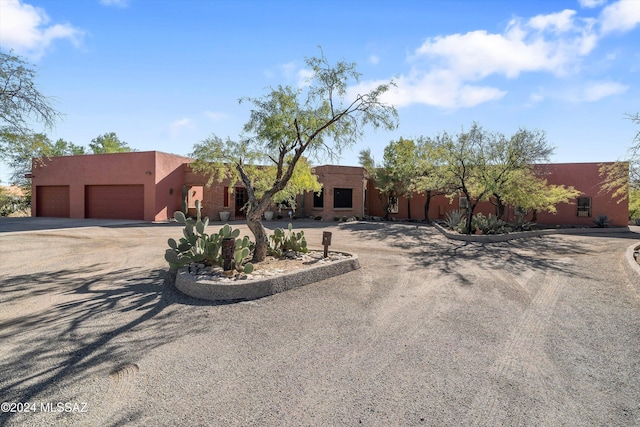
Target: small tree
[
  {"x": 621, "y": 178},
  {"x": 287, "y": 124},
  {"x": 20, "y": 100},
  {"x": 429, "y": 178},
  {"x": 21, "y": 104},
  {"x": 108, "y": 143},
  {"x": 382, "y": 177},
  {"x": 399, "y": 163},
  {"x": 464, "y": 159}
]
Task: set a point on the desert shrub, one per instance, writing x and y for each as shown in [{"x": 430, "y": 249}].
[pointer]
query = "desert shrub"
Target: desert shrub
[
  {"x": 520, "y": 224},
  {"x": 453, "y": 219},
  {"x": 490, "y": 224},
  {"x": 281, "y": 241},
  {"x": 198, "y": 246},
  {"x": 601, "y": 221}
]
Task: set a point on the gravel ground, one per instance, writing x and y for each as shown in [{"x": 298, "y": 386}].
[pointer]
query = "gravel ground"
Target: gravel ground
[{"x": 428, "y": 332}]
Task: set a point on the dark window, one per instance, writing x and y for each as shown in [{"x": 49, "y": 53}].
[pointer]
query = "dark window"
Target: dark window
[
  {"x": 342, "y": 198},
  {"x": 318, "y": 199},
  {"x": 584, "y": 206},
  {"x": 226, "y": 197}
]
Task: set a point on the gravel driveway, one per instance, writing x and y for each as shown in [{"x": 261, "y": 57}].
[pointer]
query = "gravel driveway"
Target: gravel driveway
[{"x": 428, "y": 332}]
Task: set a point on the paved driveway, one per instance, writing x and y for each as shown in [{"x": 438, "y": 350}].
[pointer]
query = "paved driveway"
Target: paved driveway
[{"x": 428, "y": 332}]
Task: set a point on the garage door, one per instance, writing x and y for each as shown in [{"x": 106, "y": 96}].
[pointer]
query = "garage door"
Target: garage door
[
  {"x": 52, "y": 200},
  {"x": 114, "y": 201}
]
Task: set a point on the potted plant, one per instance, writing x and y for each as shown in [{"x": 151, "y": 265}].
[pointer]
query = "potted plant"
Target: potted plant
[
  {"x": 224, "y": 216},
  {"x": 268, "y": 215}
]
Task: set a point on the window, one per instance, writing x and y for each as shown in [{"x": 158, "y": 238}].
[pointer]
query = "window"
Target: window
[
  {"x": 318, "y": 199},
  {"x": 342, "y": 198},
  {"x": 584, "y": 206},
  {"x": 226, "y": 197},
  {"x": 393, "y": 204}
]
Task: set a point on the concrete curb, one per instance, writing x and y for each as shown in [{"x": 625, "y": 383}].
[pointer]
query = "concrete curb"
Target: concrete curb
[
  {"x": 524, "y": 234},
  {"x": 213, "y": 291}
]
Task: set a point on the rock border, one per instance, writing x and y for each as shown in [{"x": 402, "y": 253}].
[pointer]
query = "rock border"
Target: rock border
[
  {"x": 245, "y": 291},
  {"x": 493, "y": 238}
]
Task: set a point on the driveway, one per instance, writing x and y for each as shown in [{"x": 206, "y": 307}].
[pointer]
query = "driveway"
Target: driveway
[{"x": 428, "y": 332}]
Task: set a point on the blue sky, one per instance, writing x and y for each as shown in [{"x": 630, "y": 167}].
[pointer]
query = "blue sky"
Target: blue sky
[{"x": 166, "y": 74}]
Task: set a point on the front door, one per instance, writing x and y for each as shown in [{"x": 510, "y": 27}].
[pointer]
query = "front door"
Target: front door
[{"x": 241, "y": 200}]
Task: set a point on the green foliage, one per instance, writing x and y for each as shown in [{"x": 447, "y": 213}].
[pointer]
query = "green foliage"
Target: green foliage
[
  {"x": 198, "y": 246},
  {"x": 634, "y": 203},
  {"x": 286, "y": 126},
  {"x": 282, "y": 241},
  {"x": 108, "y": 143}
]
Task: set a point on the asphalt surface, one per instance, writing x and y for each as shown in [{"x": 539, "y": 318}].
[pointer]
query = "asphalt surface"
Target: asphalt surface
[{"x": 539, "y": 332}]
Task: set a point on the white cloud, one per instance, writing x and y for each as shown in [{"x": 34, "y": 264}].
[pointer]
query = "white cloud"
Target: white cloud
[
  {"x": 589, "y": 4},
  {"x": 25, "y": 29},
  {"x": 215, "y": 116},
  {"x": 437, "y": 89},
  {"x": 597, "y": 90},
  {"x": 621, "y": 16},
  {"x": 177, "y": 127},
  {"x": 374, "y": 59},
  {"x": 115, "y": 3},
  {"x": 448, "y": 70},
  {"x": 304, "y": 77}
]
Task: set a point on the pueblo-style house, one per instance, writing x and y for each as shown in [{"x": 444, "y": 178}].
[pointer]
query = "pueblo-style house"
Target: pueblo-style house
[{"x": 149, "y": 186}]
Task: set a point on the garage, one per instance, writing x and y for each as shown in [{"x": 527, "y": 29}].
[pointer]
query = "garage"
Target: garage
[
  {"x": 52, "y": 200},
  {"x": 114, "y": 201}
]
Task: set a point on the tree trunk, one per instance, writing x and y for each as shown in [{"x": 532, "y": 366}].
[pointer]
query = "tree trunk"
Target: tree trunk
[
  {"x": 499, "y": 208},
  {"x": 427, "y": 202},
  {"x": 472, "y": 207},
  {"x": 254, "y": 221}
]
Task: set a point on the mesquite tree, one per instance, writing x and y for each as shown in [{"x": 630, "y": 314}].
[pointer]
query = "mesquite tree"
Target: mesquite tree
[{"x": 288, "y": 124}]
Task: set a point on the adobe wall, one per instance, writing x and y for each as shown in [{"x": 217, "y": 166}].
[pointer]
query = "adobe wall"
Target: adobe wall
[
  {"x": 169, "y": 179},
  {"x": 331, "y": 177},
  {"x": 585, "y": 177},
  {"x": 160, "y": 174},
  {"x": 99, "y": 169}
]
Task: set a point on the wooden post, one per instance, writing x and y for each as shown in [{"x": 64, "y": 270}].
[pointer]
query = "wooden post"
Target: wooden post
[
  {"x": 228, "y": 249},
  {"x": 326, "y": 241}
]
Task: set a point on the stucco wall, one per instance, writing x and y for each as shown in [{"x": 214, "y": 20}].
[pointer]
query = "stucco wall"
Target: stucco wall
[
  {"x": 585, "y": 177},
  {"x": 157, "y": 172},
  {"x": 331, "y": 177}
]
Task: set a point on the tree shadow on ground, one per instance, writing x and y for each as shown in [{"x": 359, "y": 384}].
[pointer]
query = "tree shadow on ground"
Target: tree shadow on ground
[
  {"x": 83, "y": 320},
  {"x": 426, "y": 247}
]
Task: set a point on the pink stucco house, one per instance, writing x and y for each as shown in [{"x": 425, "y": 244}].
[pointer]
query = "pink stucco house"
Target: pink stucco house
[{"x": 148, "y": 186}]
